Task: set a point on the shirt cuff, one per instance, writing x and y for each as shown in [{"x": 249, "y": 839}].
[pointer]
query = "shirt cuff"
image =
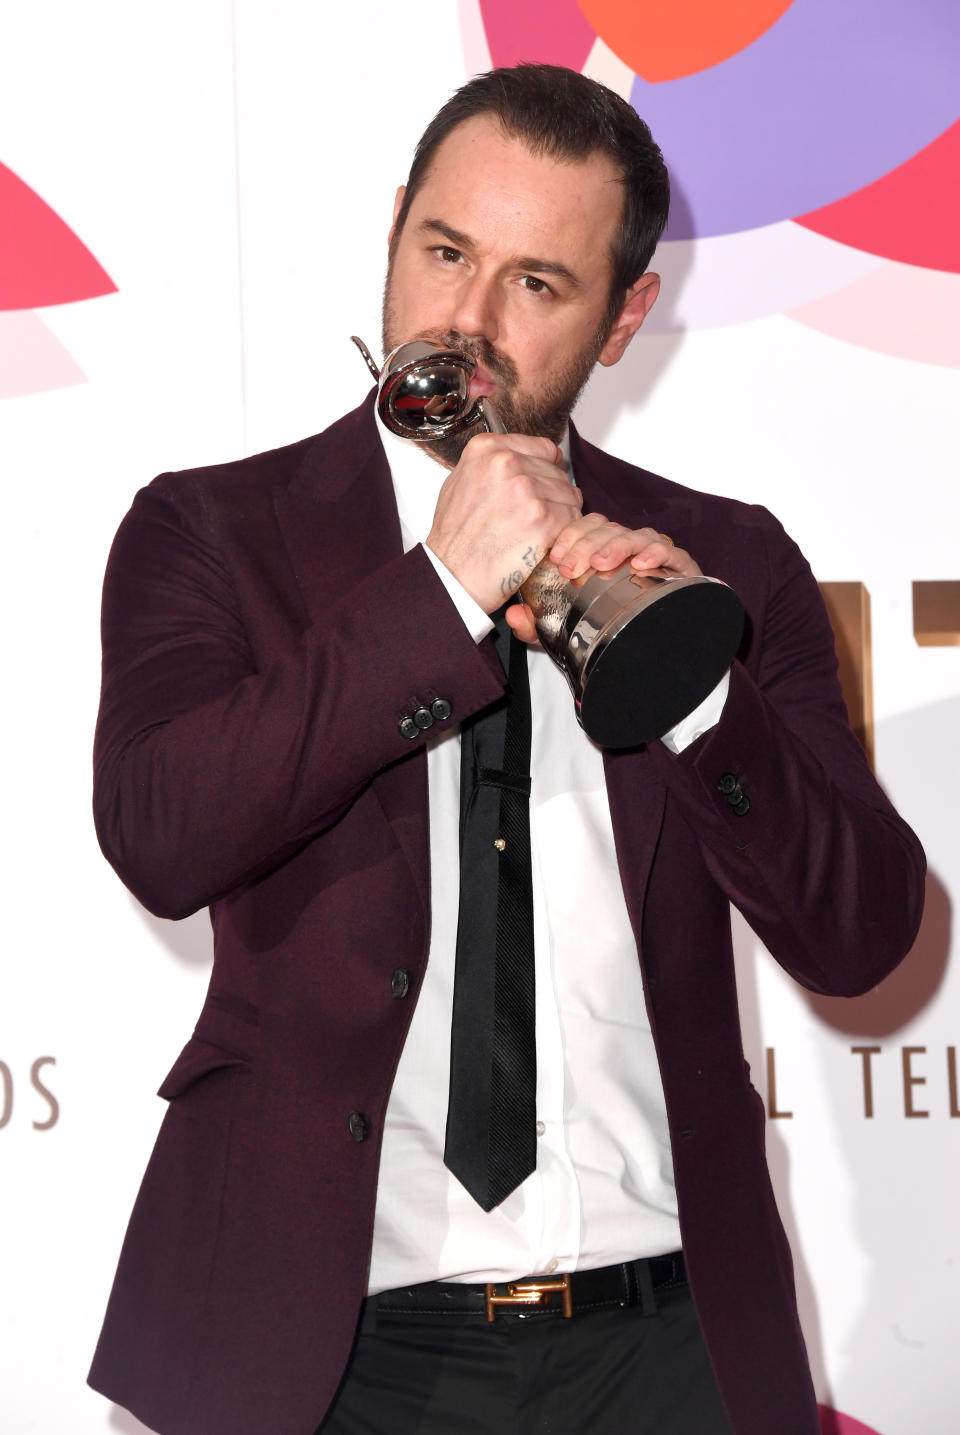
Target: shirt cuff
[
  {"x": 475, "y": 620},
  {"x": 701, "y": 720}
]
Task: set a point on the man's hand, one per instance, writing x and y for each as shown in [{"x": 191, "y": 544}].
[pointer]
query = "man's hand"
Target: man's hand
[
  {"x": 592, "y": 541},
  {"x": 505, "y": 503}
]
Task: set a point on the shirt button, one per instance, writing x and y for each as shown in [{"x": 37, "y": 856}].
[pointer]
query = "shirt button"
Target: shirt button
[
  {"x": 541, "y": 1128},
  {"x": 400, "y": 982},
  {"x": 551, "y": 1266}
]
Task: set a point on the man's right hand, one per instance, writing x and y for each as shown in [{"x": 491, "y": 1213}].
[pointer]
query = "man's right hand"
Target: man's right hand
[{"x": 499, "y": 511}]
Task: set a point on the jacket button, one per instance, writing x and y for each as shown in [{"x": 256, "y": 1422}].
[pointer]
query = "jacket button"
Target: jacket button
[
  {"x": 357, "y": 1126},
  {"x": 742, "y": 807},
  {"x": 441, "y": 708},
  {"x": 400, "y": 982},
  {"x": 408, "y": 728},
  {"x": 423, "y": 717},
  {"x": 727, "y": 783}
]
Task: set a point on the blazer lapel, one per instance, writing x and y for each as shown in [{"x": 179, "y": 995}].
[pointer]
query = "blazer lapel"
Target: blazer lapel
[
  {"x": 339, "y": 523},
  {"x": 630, "y": 495},
  {"x": 338, "y": 516},
  {"x": 637, "y": 795}
]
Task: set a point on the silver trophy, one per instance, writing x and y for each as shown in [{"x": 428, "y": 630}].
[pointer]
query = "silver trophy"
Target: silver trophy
[{"x": 639, "y": 650}]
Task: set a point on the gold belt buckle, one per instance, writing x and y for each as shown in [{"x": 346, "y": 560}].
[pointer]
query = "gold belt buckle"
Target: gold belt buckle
[{"x": 536, "y": 1291}]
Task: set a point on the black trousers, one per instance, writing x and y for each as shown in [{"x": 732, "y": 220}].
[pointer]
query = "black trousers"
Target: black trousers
[{"x": 606, "y": 1372}]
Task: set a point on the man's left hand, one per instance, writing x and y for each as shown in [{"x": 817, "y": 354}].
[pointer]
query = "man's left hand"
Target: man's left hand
[{"x": 592, "y": 541}]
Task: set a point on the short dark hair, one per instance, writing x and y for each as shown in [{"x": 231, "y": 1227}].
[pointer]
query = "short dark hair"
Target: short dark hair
[{"x": 561, "y": 113}]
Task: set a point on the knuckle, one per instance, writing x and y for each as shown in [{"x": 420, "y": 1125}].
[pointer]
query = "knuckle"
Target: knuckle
[{"x": 519, "y": 487}]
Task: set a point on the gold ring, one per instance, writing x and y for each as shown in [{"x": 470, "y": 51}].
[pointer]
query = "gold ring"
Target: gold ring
[{"x": 667, "y": 539}]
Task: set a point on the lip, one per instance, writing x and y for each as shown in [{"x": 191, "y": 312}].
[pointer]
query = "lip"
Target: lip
[{"x": 481, "y": 383}]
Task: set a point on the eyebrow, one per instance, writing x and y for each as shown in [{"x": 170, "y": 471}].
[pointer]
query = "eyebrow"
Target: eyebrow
[{"x": 521, "y": 261}]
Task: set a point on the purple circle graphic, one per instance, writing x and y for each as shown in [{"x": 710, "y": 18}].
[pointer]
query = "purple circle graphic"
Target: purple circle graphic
[{"x": 828, "y": 99}]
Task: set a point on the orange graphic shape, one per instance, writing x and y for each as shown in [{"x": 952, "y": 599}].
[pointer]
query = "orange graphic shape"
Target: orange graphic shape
[
  {"x": 665, "y": 42},
  {"x": 911, "y": 215},
  {"x": 42, "y": 261}
]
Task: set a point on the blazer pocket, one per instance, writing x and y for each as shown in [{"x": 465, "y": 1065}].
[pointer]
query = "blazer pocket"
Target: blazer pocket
[{"x": 197, "y": 1059}]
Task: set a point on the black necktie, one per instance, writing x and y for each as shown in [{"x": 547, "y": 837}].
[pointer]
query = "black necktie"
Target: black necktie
[{"x": 491, "y": 1117}]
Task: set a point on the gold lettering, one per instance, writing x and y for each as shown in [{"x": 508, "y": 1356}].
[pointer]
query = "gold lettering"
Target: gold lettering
[
  {"x": 48, "y": 1096},
  {"x": 848, "y": 608},
  {"x": 772, "y": 1111},
  {"x": 6, "y": 1111},
  {"x": 952, "y": 1080},
  {"x": 866, "y": 1052},
  {"x": 909, "y": 1080},
  {"x": 936, "y": 613}
]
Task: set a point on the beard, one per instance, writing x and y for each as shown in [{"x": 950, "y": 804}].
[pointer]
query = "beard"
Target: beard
[{"x": 542, "y": 415}]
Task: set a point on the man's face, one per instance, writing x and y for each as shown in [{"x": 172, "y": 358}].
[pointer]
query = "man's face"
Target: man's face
[{"x": 506, "y": 255}]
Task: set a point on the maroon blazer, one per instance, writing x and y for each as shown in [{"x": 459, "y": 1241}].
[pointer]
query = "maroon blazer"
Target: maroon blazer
[{"x": 263, "y": 635}]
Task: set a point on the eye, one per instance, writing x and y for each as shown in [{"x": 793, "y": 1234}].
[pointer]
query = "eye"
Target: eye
[
  {"x": 535, "y": 285},
  {"x": 447, "y": 254}
]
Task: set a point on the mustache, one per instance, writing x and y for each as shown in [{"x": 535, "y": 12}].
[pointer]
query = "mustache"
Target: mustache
[{"x": 479, "y": 349}]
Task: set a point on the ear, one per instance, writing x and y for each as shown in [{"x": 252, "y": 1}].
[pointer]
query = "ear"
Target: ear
[
  {"x": 639, "y": 301},
  {"x": 396, "y": 210}
]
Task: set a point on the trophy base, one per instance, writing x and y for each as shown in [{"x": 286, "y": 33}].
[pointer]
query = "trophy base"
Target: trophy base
[{"x": 661, "y": 662}]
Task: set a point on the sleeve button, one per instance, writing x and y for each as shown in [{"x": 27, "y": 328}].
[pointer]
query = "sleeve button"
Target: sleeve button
[
  {"x": 742, "y": 807},
  {"x": 357, "y": 1125},
  {"x": 423, "y": 718},
  {"x": 441, "y": 708},
  {"x": 408, "y": 728},
  {"x": 727, "y": 783}
]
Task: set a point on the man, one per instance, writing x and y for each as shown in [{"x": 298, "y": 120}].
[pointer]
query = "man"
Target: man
[{"x": 290, "y": 643}]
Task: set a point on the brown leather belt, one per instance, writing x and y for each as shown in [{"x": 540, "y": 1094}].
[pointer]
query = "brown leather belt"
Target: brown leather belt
[{"x": 634, "y": 1283}]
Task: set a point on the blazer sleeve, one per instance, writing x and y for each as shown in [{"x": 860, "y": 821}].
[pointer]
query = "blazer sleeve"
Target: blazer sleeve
[
  {"x": 211, "y": 766},
  {"x": 820, "y": 864}
]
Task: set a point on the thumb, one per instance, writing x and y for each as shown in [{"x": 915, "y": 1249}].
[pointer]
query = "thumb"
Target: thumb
[{"x": 520, "y": 620}]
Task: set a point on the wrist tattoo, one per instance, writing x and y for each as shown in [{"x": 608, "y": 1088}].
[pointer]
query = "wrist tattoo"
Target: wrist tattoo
[{"x": 510, "y": 583}]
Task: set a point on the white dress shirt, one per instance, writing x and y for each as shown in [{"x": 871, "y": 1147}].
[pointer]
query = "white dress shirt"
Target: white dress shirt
[{"x": 603, "y": 1190}]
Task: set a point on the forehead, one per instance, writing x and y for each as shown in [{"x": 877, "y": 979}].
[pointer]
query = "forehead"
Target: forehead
[{"x": 491, "y": 186}]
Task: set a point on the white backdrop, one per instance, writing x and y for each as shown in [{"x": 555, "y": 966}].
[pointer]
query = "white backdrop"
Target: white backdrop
[{"x": 232, "y": 167}]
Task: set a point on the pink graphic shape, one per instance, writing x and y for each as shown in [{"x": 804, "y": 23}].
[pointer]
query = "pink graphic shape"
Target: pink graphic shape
[
  {"x": 833, "y": 1423},
  {"x": 734, "y": 278},
  {"x": 32, "y": 360},
  {"x": 901, "y": 310},
  {"x": 558, "y": 35},
  {"x": 42, "y": 262},
  {"x": 911, "y": 214}
]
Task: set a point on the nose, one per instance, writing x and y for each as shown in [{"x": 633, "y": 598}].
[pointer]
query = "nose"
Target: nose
[{"x": 476, "y": 307}]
